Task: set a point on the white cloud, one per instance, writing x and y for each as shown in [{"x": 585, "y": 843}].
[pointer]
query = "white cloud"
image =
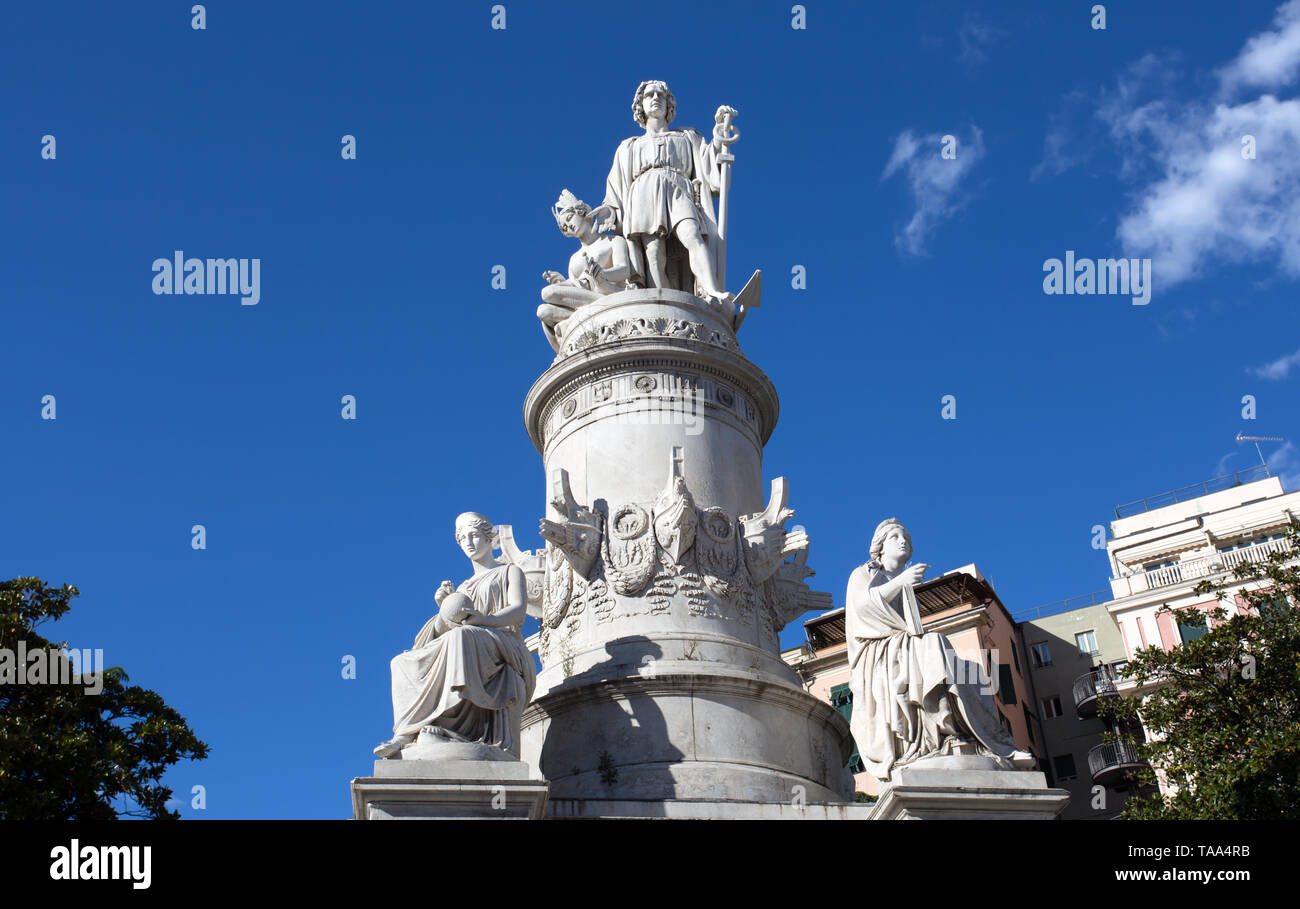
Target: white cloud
[
  {"x": 1064, "y": 146},
  {"x": 1270, "y": 59},
  {"x": 1206, "y": 203},
  {"x": 1285, "y": 463},
  {"x": 975, "y": 38},
  {"x": 1221, "y": 469},
  {"x": 935, "y": 182},
  {"x": 1277, "y": 369}
]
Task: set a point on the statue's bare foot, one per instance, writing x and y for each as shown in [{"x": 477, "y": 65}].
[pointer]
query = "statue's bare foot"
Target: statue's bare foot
[{"x": 393, "y": 747}]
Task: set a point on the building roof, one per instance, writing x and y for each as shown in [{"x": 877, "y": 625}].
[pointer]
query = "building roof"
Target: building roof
[{"x": 1190, "y": 493}]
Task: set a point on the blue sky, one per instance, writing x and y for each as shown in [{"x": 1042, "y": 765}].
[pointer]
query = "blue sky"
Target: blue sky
[{"x": 327, "y": 537}]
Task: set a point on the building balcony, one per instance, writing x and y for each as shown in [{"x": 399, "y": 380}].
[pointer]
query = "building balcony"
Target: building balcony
[
  {"x": 1111, "y": 764},
  {"x": 1089, "y": 687},
  {"x": 1195, "y": 569}
]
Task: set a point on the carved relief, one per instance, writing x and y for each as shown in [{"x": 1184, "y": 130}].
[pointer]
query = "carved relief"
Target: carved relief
[
  {"x": 578, "y": 598},
  {"x": 570, "y": 408},
  {"x": 646, "y": 384},
  {"x": 661, "y": 593},
  {"x": 699, "y": 602},
  {"x": 718, "y": 552},
  {"x": 644, "y": 559},
  {"x": 675, "y": 519},
  {"x": 602, "y": 391},
  {"x": 725, "y": 397},
  {"x": 600, "y": 600},
  {"x": 747, "y": 605},
  {"x": 559, "y": 587},
  {"x": 629, "y": 550},
  {"x": 577, "y": 530},
  {"x": 792, "y": 595},
  {"x": 766, "y": 540},
  {"x": 660, "y": 327}
]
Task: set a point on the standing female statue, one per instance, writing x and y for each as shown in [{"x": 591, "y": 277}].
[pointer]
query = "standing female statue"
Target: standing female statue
[
  {"x": 913, "y": 697},
  {"x": 469, "y": 674}
]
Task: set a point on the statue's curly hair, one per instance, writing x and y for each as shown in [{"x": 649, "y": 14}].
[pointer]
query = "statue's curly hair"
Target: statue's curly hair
[
  {"x": 882, "y": 531},
  {"x": 473, "y": 519},
  {"x": 638, "y": 112}
]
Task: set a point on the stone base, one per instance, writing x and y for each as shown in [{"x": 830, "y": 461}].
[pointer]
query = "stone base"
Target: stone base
[
  {"x": 698, "y": 738},
  {"x": 963, "y": 787},
  {"x": 704, "y": 810},
  {"x": 431, "y": 746},
  {"x": 449, "y": 789}
]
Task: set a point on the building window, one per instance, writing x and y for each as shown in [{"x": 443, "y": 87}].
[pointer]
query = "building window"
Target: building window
[
  {"x": 1064, "y": 766},
  {"x": 1006, "y": 684},
  {"x": 1192, "y": 625},
  {"x": 1276, "y": 606},
  {"x": 1041, "y": 654},
  {"x": 1087, "y": 642},
  {"x": 842, "y": 700},
  {"x": 1052, "y": 706},
  {"x": 1015, "y": 657},
  {"x": 1029, "y": 724},
  {"x": 1250, "y": 541}
]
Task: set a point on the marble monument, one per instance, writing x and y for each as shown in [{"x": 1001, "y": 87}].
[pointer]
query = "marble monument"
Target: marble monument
[{"x": 670, "y": 567}]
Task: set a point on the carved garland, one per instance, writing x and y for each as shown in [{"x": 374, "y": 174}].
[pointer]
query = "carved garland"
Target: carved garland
[{"x": 641, "y": 327}]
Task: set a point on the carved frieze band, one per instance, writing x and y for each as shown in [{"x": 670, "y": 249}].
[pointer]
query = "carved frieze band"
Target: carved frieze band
[
  {"x": 684, "y": 392},
  {"x": 662, "y": 327}
]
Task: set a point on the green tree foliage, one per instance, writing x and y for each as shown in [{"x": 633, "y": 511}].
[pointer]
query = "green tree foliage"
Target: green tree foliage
[
  {"x": 1223, "y": 710},
  {"x": 66, "y": 754}
]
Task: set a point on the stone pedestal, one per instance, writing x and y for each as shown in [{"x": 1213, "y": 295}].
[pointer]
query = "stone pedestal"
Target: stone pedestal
[
  {"x": 444, "y": 790},
  {"x": 967, "y": 788},
  {"x": 666, "y": 581},
  {"x": 437, "y": 779},
  {"x": 705, "y": 810},
  {"x": 702, "y": 735}
]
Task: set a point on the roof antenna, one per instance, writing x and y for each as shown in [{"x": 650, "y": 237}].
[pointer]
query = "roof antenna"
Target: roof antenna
[{"x": 1257, "y": 439}]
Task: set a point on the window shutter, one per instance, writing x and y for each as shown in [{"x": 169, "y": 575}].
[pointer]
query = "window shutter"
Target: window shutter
[
  {"x": 842, "y": 700},
  {"x": 1006, "y": 684}
]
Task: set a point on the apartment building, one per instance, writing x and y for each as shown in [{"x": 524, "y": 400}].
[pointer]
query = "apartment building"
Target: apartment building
[
  {"x": 1160, "y": 549},
  {"x": 1075, "y": 651}
]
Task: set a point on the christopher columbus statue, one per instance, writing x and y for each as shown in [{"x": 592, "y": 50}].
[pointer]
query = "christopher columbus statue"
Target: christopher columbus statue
[{"x": 661, "y": 187}]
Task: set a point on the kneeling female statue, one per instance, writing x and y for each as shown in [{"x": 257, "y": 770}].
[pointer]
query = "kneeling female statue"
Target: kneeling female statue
[
  {"x": 913, "y": 697},
  {"x": 469, "y": 674}
]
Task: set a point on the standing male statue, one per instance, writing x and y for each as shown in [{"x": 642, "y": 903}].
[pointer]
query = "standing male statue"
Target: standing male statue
[{"x": 661, "y": 186}]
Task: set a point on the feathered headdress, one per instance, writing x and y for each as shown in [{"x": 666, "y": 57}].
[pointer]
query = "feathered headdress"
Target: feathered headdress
[{"x": 566, "y": 203}]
